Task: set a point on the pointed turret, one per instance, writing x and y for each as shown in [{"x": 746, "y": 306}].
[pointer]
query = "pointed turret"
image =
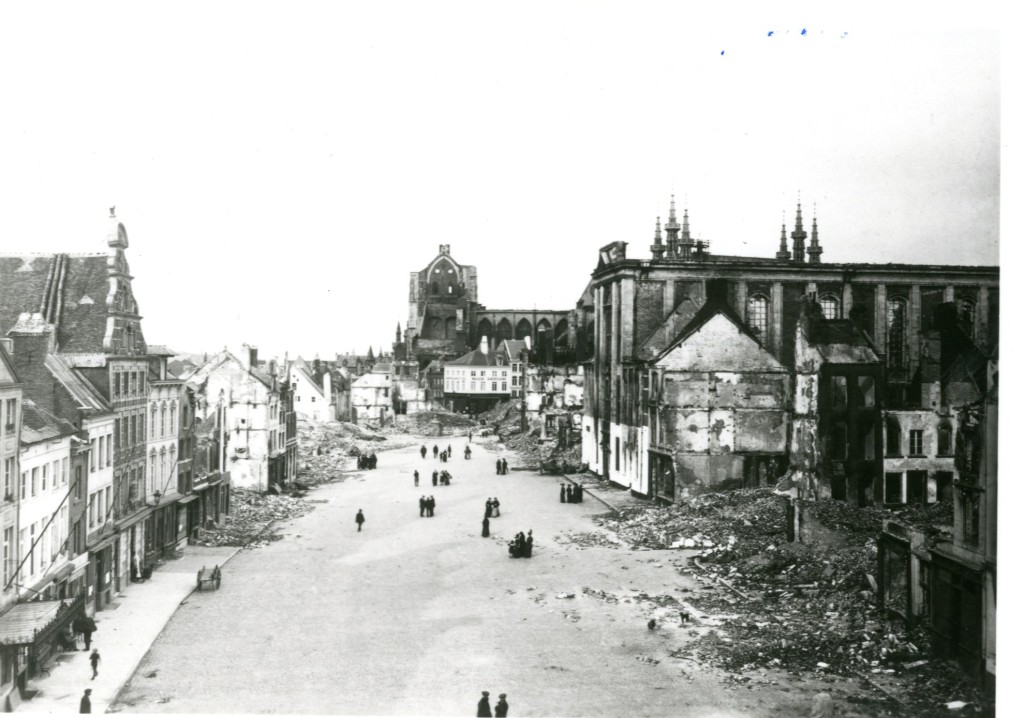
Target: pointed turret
[
  {"x": 798, "y": 235},
  {"x": 369, "y": 355},
  {"x": 687, "y": 240},
  {"x": 815, "y": 250},
  {"x": 398, "y": 333},
  {"x": 783, "y": 252},
  {"x": 672, "y": 229},
  {"x": 657, "y": 249}
]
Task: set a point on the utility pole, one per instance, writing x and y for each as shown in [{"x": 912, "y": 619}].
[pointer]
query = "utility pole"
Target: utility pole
[{"x": 523, "y": 356}]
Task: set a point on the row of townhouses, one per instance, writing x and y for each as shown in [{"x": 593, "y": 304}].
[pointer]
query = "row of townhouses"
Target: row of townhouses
[{"x": 110, "y": 462}]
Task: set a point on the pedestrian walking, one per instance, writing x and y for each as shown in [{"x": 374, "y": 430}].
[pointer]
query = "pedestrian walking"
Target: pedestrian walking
[
  {"x": 85, "y": 705},
  {"x": 435, "y": 451},
  {"x": 471, "y": 437},
  {"x": 423, "y": 452},
  {"x": 497, "y": 467},
  {"x": 430, "y": 505},
  {"x": 528, "y": 545},
  {"x": 504, "y": 466},
  {"x": 487, "y": 527},
  {"x": 423, "y": 505},
  {"x": 483, "y": 708},
  {"x": 434, "y": 477},
  {"x": 94, "y": 659},
  {"x": 360, "y": 519},
  {"x": 449, "y": 449},
  {"x": 501, "y": 707},
  {"x": 468, "y": 453},
  {"x": 415, "y": 478},
  {"x": 561, "y": 493},
  {"x": 488, "y": 509},
  {"x": 497, "y": 507}
]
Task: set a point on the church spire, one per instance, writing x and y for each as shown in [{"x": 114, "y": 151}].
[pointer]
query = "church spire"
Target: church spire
[
  {"x": 657, "y": 249},
  {"x": 672, "y": 229},
  {"x": 687, "y": 240},
  {"x": 783, "y": 252},
  {"x": 815, "y": 250},
  {"x": 798, "y": 235}
]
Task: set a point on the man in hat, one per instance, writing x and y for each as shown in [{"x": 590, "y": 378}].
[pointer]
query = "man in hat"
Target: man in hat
[
  {"x": 360, "y": 519},
  {"x": 94, "y": 659},
  {"x": 423, "y": 452},
  {"x": 504, "y": 466},
  {"x": 423, "y": 505},
  {"x": 501, "y": 707},
  {"x": 483, "y": 708},
  {"x": 85, "y": 705}
]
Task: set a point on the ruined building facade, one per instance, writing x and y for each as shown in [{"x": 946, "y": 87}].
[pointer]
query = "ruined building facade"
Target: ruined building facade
[
  {"x": 446, "y": 319},
  {"x": 713, "y": 371}
]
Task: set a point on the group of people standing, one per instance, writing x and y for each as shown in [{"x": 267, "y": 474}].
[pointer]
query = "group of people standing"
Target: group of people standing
[
  {"x": 571, "y": 493},
  {"x": 501, "y": 466},
  {"x": 427, "y": 504},
  {"x": 483, "y": 706},
  {"x": 491, "y": 509},
  {"x": 367, "y": 461},
  {"x": 521, "y": 546},
  {"x": 443, "y": 455}
]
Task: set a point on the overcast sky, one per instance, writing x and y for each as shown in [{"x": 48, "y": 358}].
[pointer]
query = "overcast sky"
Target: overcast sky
[{"x": 282, "y": 169}]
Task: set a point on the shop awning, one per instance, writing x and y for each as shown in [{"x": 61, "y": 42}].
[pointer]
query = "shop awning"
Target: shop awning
[
  {"x": 35, "y": 621},
  {"x": 187, "y": 499}
]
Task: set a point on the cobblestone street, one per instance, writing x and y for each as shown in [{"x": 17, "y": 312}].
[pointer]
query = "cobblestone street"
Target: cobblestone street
[{"x": 418, "y": 615}]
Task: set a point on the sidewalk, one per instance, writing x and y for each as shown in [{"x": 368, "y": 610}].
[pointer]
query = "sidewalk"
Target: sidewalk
[{"x": 123, "y": 635}]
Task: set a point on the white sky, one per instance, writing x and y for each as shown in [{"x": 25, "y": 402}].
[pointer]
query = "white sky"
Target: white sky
[{"x": 281, "y": 169}]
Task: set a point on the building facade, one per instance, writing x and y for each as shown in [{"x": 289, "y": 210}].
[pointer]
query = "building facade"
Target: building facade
[{"x": 884, "y": 311}]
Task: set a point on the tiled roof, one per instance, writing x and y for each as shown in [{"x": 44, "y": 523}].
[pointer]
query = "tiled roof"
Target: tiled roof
[
  {"x": 475, "y": 358},
  {"x": 80, "y": 311}
]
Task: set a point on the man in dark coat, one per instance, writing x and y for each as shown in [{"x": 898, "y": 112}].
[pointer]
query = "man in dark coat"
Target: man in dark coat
[
  {"x": 561, "y": 493},
  {"x": 94, "y": 659},
  {"x": 423, "y": 452},
  {"x": 497, "y": 467},
  {"x": 483, "y": 708},
  {"x": 487, "y": 527},
  {"x": 434, "y": 477},
  {"x": 488, "y": 509},
  {"x": 449, "y": 449},
  {"x": 579, "y": 493},
  {"x": 431, "y": 503},
  {"x": 415, "y": 478},
  {"x": 85, "y": 705},
  {"x": 435, "y": 451},
  {"x": 528, "y": 545},
  {"x": 85, "y": 626},
  {"x": 360, "y": 519},
  {"x": 501, "y": 707},
  {"x": 423, "y": 505},
  {"x": 504, "y": 466}
]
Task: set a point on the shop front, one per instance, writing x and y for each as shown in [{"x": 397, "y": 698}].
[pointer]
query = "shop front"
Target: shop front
[{"x": 31, "y": 636}]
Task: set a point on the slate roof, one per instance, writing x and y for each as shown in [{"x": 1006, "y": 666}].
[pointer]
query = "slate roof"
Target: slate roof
[
  {"x": 7, "y": 372},
  {"x": 37, "y": 424},
  {"x": 710, "y": 308},
  {"x": 76, "y": 385}
]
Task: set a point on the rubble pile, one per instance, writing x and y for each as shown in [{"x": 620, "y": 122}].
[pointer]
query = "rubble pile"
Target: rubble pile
[
  {"x": 506, "y": 421},
  {"x": 433, "y": 423},
  {"x": 794, "y": 606},
  {"x": 325, "y": 450},
  {"x": 251, "y": 515}
]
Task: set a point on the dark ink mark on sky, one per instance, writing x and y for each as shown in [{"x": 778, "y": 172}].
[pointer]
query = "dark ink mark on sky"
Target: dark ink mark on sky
[
  {"x": 804, "y": 31},
  {"x": 770, "y": 33},
  {"x": 723, "y": 52}
]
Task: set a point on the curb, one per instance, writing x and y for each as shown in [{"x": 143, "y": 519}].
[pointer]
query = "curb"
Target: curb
[
  {"x": 595, "y": 496},
  {"x": 135, "y": 668}
]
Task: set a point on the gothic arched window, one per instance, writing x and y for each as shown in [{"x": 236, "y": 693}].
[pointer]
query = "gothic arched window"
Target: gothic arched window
[
  {"x": 829, "y": 306},
  {"x": 896, "y": 332},
  {"x": 757, "y": 315}
]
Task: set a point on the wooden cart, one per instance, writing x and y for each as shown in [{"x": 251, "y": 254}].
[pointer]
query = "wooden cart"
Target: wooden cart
[{"x": 208, "y": 578}]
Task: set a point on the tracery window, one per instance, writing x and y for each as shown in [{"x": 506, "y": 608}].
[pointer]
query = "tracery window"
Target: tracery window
[
  {"x": 757, "y": 315},
  {"x": 896, "y": 332}
]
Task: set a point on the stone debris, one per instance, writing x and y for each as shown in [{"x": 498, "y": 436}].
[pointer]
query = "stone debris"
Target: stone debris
[
  {"x": 793, "y": 606},
  {"x": 586, "y": 540},
  {"x": 252, "y": 514},
  {"x": 565, "y": 595}
]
